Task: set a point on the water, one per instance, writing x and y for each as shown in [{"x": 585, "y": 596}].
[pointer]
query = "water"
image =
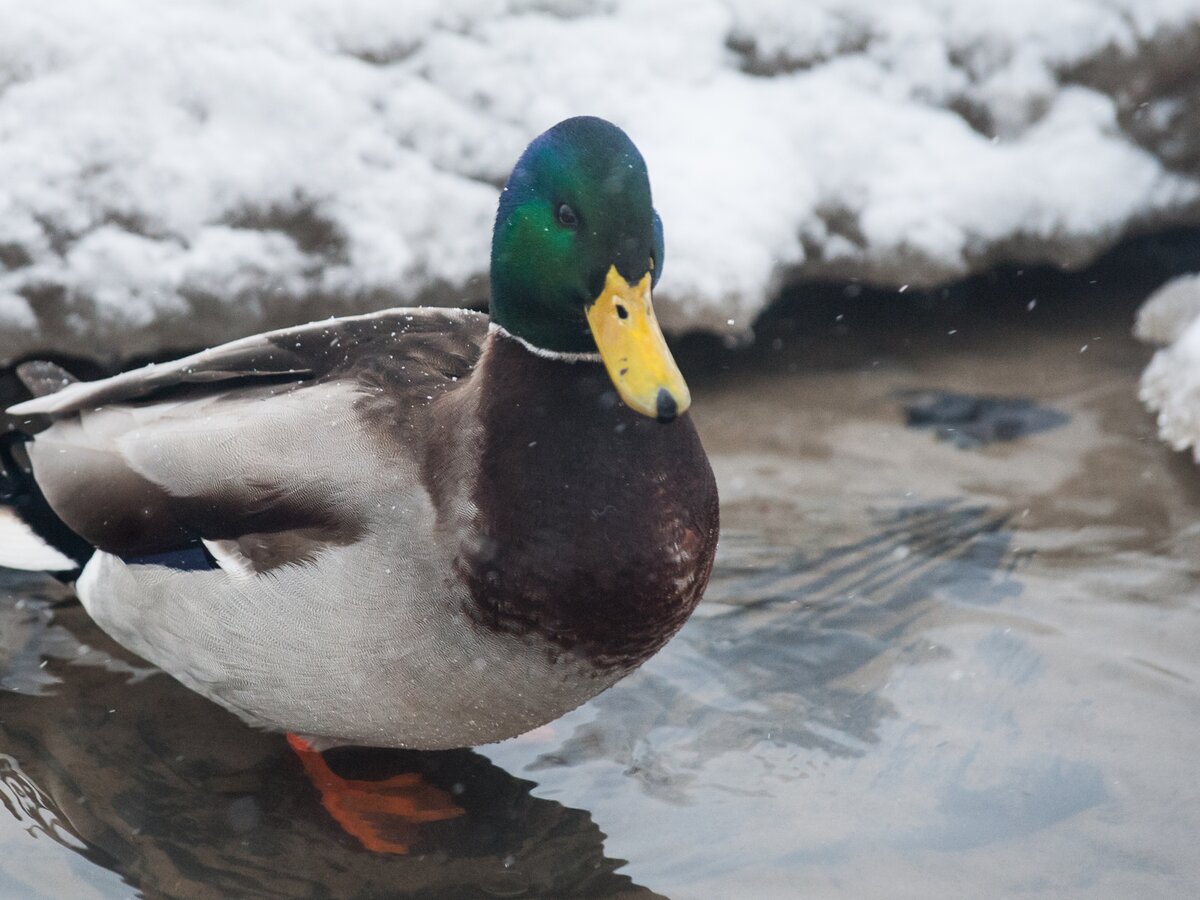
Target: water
[{"x": 928, "y": 665}]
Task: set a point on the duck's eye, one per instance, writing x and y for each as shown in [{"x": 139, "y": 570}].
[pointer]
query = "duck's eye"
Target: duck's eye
[{"x": 566, "y": 216}]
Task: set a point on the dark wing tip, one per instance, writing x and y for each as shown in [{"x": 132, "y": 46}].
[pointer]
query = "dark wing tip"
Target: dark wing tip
[{"x": 42, "y": 378}]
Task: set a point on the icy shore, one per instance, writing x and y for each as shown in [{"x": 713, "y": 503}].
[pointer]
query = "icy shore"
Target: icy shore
[{"x": 181, "y": 174}]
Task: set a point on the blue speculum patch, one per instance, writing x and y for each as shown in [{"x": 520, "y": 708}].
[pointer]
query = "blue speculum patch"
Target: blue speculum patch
[{"x": 186, "y": 559}]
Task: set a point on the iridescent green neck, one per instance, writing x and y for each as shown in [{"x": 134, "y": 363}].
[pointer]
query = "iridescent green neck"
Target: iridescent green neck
[{"x": 533, "y": 294}]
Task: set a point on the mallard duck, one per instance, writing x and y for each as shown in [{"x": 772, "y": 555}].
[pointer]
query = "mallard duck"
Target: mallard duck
[{"x": 413, "y": 528}]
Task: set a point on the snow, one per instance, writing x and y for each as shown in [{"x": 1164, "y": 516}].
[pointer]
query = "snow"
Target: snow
[
  {"x": 1171, "y": 383},
  {"x": 183, "y": 173}
]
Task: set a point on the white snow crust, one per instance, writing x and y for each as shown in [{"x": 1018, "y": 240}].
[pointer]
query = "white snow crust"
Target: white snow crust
[{"x": 175, "y": 174}]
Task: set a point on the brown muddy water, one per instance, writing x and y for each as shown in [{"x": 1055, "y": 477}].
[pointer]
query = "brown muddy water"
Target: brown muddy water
[{"x": 949, "y": 650}]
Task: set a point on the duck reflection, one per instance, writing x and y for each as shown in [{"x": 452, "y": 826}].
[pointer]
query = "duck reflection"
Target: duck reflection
[{"x": 140, "y": 775}]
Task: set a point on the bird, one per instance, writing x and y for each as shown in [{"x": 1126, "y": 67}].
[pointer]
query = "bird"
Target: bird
[{"x": 421, "y": 527}]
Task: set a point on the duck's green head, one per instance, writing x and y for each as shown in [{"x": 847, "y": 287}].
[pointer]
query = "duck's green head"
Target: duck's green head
[{"x": 576, "y": 250}]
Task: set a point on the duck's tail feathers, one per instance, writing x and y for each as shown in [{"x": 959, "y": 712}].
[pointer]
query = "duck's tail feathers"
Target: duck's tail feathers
[
  {"x": 32, "y": 536},
  {"x": 22, "y": 548}
]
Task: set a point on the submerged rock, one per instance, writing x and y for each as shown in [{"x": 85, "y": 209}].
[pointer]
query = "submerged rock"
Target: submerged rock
[{"x": 971, "y": 421}]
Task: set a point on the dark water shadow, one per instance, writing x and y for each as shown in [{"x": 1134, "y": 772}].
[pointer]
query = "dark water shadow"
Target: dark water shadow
[
  {"x": 139, "y": 775},
  {"x": 838, "y": 326}
]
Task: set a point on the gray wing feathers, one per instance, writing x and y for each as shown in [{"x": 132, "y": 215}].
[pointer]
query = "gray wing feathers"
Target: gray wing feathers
[
  {"x": 136, "y": 480},
  {"x": 306, "y": 351},
  {"x": 255, "y": 358},
  {"x": 276, "y": 446}
]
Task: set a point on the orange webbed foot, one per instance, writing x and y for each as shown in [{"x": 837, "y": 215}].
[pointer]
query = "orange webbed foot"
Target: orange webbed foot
[{"x": 381, "y": 815}]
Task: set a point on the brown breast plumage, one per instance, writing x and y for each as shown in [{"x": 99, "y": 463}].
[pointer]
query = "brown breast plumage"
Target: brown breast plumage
[{"x": 596, "y": 526}]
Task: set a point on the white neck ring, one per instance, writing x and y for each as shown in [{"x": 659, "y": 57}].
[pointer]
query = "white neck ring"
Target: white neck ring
[{"x": 541, "y": 351}]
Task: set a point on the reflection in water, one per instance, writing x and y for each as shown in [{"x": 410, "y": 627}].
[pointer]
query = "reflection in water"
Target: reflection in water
[
  {"x": 148, "y": 779},
  {"x": 32, "y": 807}
]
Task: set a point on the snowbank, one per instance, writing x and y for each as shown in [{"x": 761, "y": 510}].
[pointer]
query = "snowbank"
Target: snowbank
[
  {"x": 176, "y": 174},
  {"x": 1171, "y": 383}
]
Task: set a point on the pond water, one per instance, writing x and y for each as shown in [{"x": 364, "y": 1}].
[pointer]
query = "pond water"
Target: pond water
[{"x": 949, "y": 650}]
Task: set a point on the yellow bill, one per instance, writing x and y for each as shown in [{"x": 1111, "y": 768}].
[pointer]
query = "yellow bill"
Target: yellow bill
[{"x": 634, "y": 350}]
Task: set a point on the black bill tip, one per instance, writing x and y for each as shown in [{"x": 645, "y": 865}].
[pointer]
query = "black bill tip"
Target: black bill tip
[{"x": 665, "y": 406}]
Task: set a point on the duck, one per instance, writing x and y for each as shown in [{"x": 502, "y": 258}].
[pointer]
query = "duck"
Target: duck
[{"x": 422, "y": 528}]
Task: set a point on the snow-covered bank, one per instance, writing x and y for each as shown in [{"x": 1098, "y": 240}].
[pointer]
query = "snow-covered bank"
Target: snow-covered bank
[{"x": 182, "y": 173}]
